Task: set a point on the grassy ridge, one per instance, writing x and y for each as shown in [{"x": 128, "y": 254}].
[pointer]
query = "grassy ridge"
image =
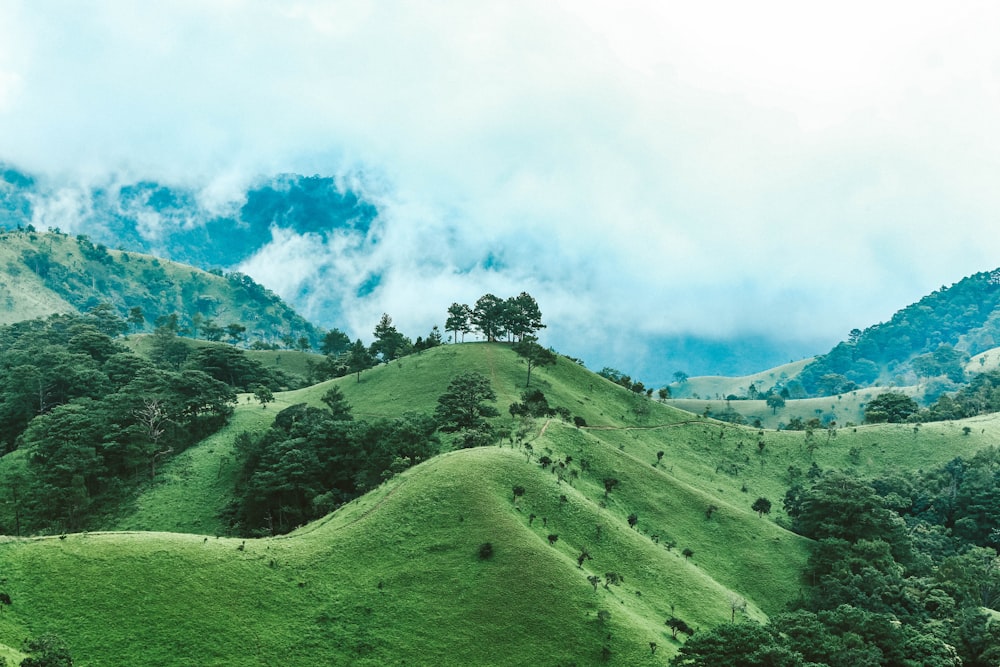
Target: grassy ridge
[
  {"x": 423, "y": 596},
  {"x": 395, "y": 578}
]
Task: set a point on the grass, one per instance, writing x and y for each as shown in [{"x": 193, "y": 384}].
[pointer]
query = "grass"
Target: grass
[{"x": 394, "y": 577}]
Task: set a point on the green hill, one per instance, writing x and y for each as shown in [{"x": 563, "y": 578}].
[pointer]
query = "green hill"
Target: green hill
[
  {"x": 395, "y": 577},
  {"x": 45, "y": 273}
]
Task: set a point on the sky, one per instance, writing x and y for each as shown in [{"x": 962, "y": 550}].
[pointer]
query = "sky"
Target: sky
[{"x": 644, "y": 168}]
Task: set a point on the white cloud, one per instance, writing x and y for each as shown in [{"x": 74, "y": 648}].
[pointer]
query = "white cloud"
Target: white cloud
[{"x": 717, "y": 167}]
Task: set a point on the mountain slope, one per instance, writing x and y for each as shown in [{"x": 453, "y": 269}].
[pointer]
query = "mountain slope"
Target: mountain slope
[
  {"x": 396, "y": 577},
  {"x": 55, "y": 273},
  {"x": 964, "y": 317}
]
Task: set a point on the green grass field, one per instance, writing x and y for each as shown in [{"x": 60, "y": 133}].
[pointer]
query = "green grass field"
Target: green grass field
[{"x": 394, "y": 577}]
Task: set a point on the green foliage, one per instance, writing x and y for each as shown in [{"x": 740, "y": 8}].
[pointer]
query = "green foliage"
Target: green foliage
[
  {"x": 463, "y": 406},
  {"x": 961, "y": 314},
  {"x": 890, "y": 407},
  {"x": 311, "y": 461},
  {"x": 534, "y": 354},
  {"x": 46, "y": 651}
]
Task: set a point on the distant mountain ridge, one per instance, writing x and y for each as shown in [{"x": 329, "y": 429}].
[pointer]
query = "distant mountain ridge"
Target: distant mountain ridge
[
  {"x": 932, "y": 338},
  {"x": 173, "y": 222}
]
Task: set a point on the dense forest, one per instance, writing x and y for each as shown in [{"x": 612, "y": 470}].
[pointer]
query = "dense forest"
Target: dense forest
[
  {"x": 902, "y": 572},
  {"x": 928, "y": 339}
]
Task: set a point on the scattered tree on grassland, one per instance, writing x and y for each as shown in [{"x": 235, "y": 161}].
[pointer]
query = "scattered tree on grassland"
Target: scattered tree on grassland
[
  {"x": 263, "y": 395},
  {"x": 891, "y": 407},
  {"x": 359, "y": 359},
  {"x": 761, "y": 506},
  {"x": 534, "y": 354}
]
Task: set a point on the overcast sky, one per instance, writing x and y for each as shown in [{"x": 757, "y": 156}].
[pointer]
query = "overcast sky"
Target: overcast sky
[{"x": 715, "y": 168}]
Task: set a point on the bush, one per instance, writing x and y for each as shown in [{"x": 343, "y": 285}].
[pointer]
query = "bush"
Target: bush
[{"x": 486, "y": 551}]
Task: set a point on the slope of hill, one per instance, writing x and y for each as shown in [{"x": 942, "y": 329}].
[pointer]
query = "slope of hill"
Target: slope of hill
[
  {"x": 52, "y": 273},
  {"x": 964, "y": 317},
  {"x": 715, "y": 387},
  {"x": 396, "y": 576}
]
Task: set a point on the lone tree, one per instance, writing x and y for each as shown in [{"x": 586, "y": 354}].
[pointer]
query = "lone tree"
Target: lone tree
[
  {"x": 677, "y": 625},
  {"x": 359, "y": 358},
  {"x": 534, "y": 354},
  {"x": 775, "y": 401},
  {"x": 263, "y": 395},
  {"x": 609, "y": 484},
  {"x": 761, "y": 506},
  {"x": 463, "y": 406},
  {"x": 633, "y": 519},
  {"x": 518, "y": 492}
]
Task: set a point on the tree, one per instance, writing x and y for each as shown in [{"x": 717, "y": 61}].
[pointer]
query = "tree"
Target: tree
[
  {"x": 46, "y": 651},
  {"x": 359, "y": 358},
  {"x": 389, "y": 343},
  {"x": 463, "y": 406},
  {"x": 135, "y": 317},
  {"x": 761, "y": 506},
  {"x": 609, "y": 484},
  {"x": 335, "y": 342},
  {"x": 534, "y": 354},
  {"x": 235, "y": 331},
  {"x": 775, "y": 401},
  {"x": 459, "y": 320},
  {"x": 523, "y": 318},
  {"x": 488, "y": 316},
  {"x": 263, "y": 395},
  {"x": 633, "y": 519},
  {"x": 891, "y": 407},
  {"x": 680, "y": 377},
  {"x": 340, "y": 409},
  {"x": 687, "y": 553}
]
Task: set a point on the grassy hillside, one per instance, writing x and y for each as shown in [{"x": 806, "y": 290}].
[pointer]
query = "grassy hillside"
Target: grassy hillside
[
  {"x": 395, "y": 577},
  {"x": 44, "y": 273},
  {"x": 714, "y": 387}
]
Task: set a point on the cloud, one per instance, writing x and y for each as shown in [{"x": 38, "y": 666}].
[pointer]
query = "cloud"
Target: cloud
[{"x": 718, "y": 168}]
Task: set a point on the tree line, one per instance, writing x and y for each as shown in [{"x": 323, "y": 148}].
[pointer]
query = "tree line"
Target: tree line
[
  {"x": 95, "y": 420},
  {"x": 903, "y": 570}
]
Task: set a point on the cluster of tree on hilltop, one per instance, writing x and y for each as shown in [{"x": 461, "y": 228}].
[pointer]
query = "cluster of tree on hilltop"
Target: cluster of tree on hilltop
[
  {"x": 930, "y": 338},
  {"x": 94, "y": 420},
  {"x": 903, "y": 571},
  {"x": 517, "y": 318},
  {"x": 495, "y": 318}
]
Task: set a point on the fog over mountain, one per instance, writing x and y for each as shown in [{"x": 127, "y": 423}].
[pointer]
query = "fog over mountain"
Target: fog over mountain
[{"x": 665, "y": 179}]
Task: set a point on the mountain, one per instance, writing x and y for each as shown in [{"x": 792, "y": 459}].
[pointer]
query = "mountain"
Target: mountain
[
  {"x": 930, "y": 339},
  {"x": 329, "y": 234},
  {"x": 45, "y": 273}
]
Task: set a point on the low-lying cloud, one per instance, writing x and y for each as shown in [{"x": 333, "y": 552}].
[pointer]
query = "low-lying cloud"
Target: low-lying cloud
[{"x": 655, "y": 169}]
